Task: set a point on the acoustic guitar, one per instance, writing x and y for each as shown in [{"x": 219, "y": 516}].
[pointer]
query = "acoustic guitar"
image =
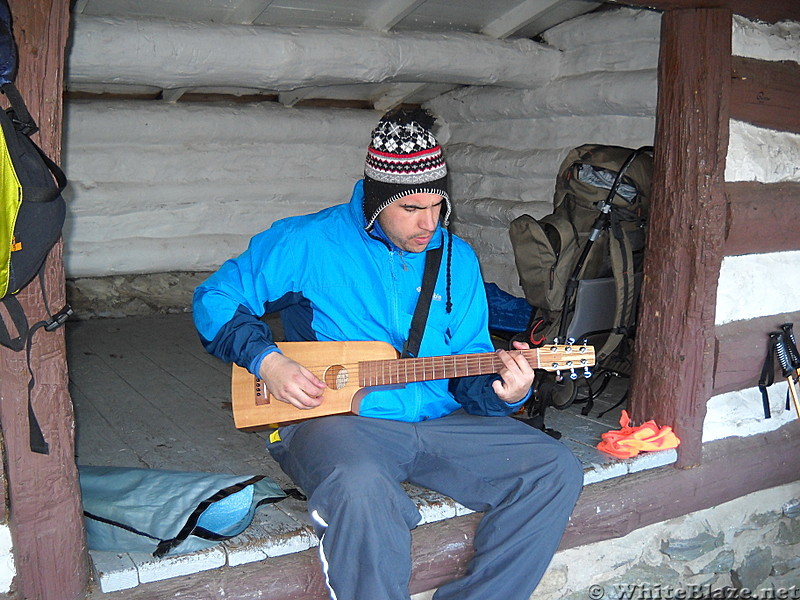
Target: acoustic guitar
[{"x": 353, "y": 369}]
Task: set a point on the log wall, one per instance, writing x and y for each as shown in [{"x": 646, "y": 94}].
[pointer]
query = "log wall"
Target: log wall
[
  {"x": 756, "y": 218},
  {"x": 761, "y": 217}
]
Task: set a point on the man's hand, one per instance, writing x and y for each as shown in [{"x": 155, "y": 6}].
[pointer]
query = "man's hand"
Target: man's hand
[
  {"x": 290, "y": 382},
  {"x": 517, "y": 375}
]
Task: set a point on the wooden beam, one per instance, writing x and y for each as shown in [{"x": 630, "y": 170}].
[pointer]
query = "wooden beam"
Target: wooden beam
[
  {"x": 740, "y": 349},
  {"x": 731, "y": 468},
  {"x": 766, "y": 93},
  {"x": 762, "y": 217},
  {"x": 389, "y": 13},
  {"x": 517, "y": 17},
  {"x": 395, "y": 95},
  {"x": 45, "y": 516},
  {"x": 770, "y": 11},
  {"x": 674, "y": 343}
]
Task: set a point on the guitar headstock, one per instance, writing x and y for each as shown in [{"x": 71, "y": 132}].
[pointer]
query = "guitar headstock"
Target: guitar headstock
[{"x": 574, "y": 359}]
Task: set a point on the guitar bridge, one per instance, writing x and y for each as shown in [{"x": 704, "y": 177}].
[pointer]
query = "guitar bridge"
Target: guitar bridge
[{"x": 260, "y": 392}]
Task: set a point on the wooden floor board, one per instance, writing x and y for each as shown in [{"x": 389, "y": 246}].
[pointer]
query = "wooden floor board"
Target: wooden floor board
[
  {"x": 150, "y": 409},
  {"x": 93, "y": 430},
  {"x": 130, "y": 416},
  {"x": 146, "y": 393}
]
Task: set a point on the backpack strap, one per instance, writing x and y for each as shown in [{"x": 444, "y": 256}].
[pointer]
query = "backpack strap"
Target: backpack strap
[
  {"x": 621, "y": 254},
  {"x": 19, "y": 114},
  {"x": 25, "y": 124},
  {"x": 433, "y": 259},
  {"x": 20, "y": 325},
  {"x": 24, "y": 340}
]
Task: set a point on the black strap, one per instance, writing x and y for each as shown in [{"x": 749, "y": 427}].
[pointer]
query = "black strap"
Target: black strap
[
  {"x": 21, "y": 117},
  {"x": 24, "y": 340},
  {"x": 768, "y": 373},
  {"x": 190, "y": 526},
  {"x": 433, "y": 260},
  {"x": 25, "y": 124},
  {"x": 20, "y": 325}
]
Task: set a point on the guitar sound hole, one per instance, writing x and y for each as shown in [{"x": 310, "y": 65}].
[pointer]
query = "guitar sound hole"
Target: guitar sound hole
[{"x": 336, "y": 377}]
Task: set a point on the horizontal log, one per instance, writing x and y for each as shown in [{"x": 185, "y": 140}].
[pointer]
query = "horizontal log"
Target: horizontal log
[
  {"x": 172, "y": 55},
  {"x": 731, "y": 468},
  {"x": 771, "y": 12},
  {"x": 124, "y": 123},
  {"x": 740, "y": 348},
  {"x": 766, "y": 93},
  {"x": 625, "y": 93},
  {"x": 613, "y": 37},
  {"x": 762, "y": 217}
]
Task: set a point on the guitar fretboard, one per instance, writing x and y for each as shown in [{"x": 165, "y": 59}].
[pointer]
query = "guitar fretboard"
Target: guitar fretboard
[{"x": 400, "y": 371}]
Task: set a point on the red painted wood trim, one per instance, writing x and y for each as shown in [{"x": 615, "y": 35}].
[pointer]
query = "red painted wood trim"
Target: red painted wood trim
[
  {"x": 740, "y": 349},
  {"x": 766, "y": 93},
  {"x": 45, "y": 518},
  {"x": 674, "y": 343},
  {"x": 762, "y": 217},
  {"x": 730, "y": 468},
  {"x": 770, "y": 11}
]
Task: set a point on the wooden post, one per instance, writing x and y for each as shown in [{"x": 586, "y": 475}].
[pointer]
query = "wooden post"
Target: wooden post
[
  {"x": 675, "y": 337},
  {"x": 44, "y": 511}
]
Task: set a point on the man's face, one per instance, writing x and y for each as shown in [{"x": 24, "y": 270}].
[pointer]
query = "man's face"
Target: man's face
[{"x": 411, "y": 221}]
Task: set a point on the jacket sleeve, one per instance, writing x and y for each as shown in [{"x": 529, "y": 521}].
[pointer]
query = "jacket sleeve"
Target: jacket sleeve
[
  {"x": 227, "y": 306},
  {"x": 470, "y": 327}
]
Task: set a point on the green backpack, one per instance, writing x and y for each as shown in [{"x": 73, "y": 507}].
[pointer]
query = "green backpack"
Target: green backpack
[{"x": 597, "y": 186}]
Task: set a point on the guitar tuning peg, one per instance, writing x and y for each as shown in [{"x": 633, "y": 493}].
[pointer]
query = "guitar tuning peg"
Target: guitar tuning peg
[
  {"x": 559, "y": 378},
  {"x": 586, "y": 372},
  {"x": 570, "y": 341},
  {"x": 572, "y": 374}
]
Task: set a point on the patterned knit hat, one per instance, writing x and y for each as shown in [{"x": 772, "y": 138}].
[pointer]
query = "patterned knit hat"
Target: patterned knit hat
[{"x": 404, "y": 158}]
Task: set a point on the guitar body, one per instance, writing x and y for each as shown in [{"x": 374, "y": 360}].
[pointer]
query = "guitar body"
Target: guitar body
[{"x": 335, "y": 363}]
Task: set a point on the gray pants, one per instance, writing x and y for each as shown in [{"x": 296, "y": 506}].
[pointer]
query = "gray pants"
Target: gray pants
[{"x": 351, "y": 468}]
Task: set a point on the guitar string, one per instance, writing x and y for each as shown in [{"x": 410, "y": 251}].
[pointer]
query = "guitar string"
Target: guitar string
[{"x": 376, "y": 372}]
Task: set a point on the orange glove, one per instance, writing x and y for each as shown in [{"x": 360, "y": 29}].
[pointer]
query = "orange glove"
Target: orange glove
[{"x": 629, "y": 441}]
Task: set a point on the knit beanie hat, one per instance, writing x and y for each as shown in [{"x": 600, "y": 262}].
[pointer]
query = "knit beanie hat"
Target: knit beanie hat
[{"x": 403, "y": 158}]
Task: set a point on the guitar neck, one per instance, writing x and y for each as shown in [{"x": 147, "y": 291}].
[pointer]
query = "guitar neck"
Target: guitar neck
[{"x": 408, "y": 370}]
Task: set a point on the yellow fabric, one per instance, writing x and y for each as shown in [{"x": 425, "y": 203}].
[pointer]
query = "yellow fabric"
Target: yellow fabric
[
  {"x": 275, "y": 436},
  {"x": 10, "y": 200}
]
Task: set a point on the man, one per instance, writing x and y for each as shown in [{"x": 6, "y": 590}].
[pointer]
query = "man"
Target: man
[{"x": 354, "y": 272}]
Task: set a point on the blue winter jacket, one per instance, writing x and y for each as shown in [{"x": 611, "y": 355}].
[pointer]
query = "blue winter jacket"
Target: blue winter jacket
[{"x": 331, "y": 280}]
